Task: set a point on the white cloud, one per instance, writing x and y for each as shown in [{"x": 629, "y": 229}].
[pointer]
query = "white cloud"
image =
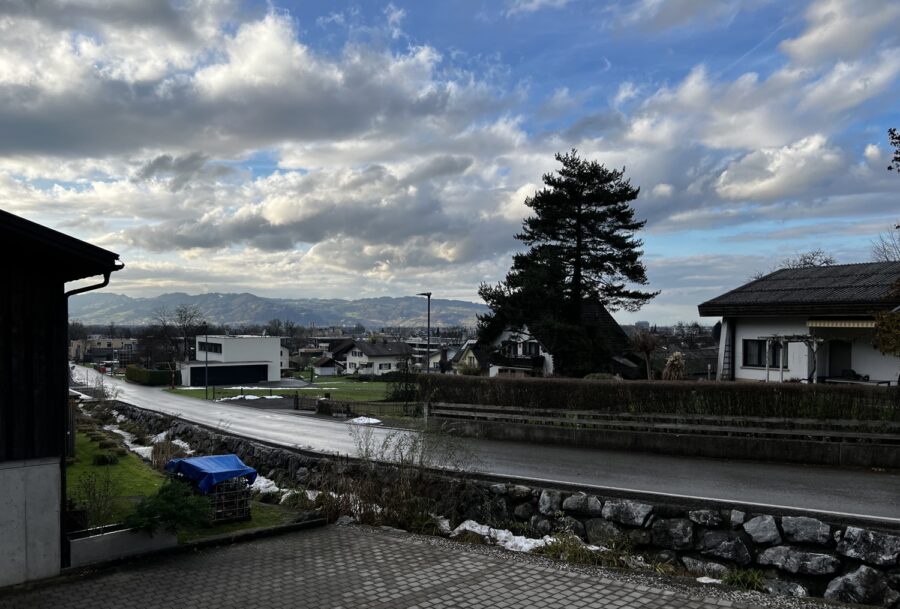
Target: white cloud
[
  {"x": 841, "y": 29},
  {"x": 771, "y": 173},
  {"x": 531, "y": 6}
]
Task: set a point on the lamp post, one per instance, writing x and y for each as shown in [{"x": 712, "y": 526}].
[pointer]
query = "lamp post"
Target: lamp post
[
  {"x": 428, "y": 332},
  {"x": 206, "y": 365}
]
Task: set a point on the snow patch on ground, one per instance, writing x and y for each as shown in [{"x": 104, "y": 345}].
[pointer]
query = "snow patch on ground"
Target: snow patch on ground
[
  {"x": 264, "y": 486},
  {"x": 364, "y": 421},
  {"x": 709, "y": 580},
  {"x": 502, "y": 537},
  {"x": 273, "y": 397},
  {"x": 144, "y": 452}
]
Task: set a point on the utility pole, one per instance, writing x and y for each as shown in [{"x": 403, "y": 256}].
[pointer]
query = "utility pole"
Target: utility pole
[
  {"x": 427, "y": 363},
  {"x": 206, "y": 365}
]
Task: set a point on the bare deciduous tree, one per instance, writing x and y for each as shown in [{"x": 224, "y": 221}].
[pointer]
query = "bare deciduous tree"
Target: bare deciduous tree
[
  {"x": 886, "y": 247},
  {"x": 801, "y": 260}
]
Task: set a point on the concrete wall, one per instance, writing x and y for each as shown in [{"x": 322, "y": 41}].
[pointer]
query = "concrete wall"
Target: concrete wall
[{"x": 29, "y": 520}]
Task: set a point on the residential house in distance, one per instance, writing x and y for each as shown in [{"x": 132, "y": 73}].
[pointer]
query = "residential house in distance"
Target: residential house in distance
[
  {"x": 227, "y": 360},
  {"x": 811, "y": 324},
  {"x": 35, "y": 378},
  {"x": 469, "y": 358},
  {"x": 520, "y": 352},
  {"x": 333, "y": 360},
  {"x": 97, "y": 349},
  {"x": 377, "y": 358}
]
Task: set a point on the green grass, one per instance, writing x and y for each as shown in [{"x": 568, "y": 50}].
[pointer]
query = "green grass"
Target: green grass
[
  {"x": 340, "y": 388},
  {"x": 131, "y": 477},
  {"x": 262, "y": 515}
]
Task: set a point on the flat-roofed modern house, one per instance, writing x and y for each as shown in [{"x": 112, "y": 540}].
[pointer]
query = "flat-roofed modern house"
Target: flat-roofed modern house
[
  {"x": 227, "y": 360},
  {"x": 810, "y": 324},
  {"x": 34, "y": 376}
]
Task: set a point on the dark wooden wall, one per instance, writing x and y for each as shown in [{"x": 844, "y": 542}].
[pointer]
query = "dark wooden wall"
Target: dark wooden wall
[{"x": 33, "y": 360}]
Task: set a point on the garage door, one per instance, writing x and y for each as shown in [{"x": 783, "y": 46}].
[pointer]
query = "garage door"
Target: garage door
[{"x": 230, "y": 375}]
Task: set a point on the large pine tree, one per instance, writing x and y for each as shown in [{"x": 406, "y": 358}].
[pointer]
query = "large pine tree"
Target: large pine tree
[{"x": 582, "y": 249}]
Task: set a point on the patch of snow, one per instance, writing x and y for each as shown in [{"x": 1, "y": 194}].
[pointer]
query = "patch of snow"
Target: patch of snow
[
  {"x": 443, "y": 524},
  {"x": 709, "y": 580},
  {"x": 144, "y": 452},
  {"x": 159, "y": 437},
  {"x": 264, "y": 485},
  {"x": 273, "y": 397},
  {"x": 317, "y": 388},
  {"x": 183, "y": 445},
  {"x": 364, "y": 421},
  {"x": 502, "y": 537}
]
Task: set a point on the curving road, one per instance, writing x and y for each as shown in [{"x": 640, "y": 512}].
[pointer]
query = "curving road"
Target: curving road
[{"x": 851, "y": 492}]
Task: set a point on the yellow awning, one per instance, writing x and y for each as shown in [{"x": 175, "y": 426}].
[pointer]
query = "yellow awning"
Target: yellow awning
[{"x": 840, "y": 323}]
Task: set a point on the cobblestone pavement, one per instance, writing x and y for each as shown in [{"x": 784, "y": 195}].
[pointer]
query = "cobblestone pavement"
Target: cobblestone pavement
[{"x": 340, "y": 567}]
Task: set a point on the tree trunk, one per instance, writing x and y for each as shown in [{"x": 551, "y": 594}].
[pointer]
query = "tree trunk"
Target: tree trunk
[{"x": 649, "y": 369}]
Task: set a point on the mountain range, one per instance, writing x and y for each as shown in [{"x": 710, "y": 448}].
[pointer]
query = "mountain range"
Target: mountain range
[{"x": 243, "y": 309}]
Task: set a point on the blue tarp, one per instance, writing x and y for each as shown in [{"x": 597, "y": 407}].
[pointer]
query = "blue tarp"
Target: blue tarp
[{"x": 210, "y": 471}]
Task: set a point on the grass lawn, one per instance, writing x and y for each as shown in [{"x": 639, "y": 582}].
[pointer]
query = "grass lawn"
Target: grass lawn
[
  {"x": 262, "y": 515},
  {"x": 340, "y": 388},
  {"x": 131, "y": 477}
]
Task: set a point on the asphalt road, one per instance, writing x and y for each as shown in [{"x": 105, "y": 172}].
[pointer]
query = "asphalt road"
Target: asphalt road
[{"x": 852, "y": 492}]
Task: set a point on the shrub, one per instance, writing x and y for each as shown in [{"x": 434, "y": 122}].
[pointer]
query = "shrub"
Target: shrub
[
  {"x": 818, "y": 401},
  {"x": 108, "y": 444},
  {"x": 105, "y": 459},
  {"x": 96, "y": 493},
  {"x": 748, "y": 579},
  {"x": 163, "y": 452},
  {"x": 143, "y": 376},
  {"x": 175, "y": 506},
  {"x": 121, "y": 451}
]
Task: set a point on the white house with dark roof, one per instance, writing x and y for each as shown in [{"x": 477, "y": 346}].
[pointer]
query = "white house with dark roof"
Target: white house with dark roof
[
  {"x": 377, "y": 358},
  {"x": 812, "y": 324}
]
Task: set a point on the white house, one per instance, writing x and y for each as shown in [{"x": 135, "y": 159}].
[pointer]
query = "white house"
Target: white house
[
  {"x": 519, "y": 353},
  {"x": 812, "y": 324},
  {"x": 226, "y": 360},
  {"x": 377, "y": 358}
]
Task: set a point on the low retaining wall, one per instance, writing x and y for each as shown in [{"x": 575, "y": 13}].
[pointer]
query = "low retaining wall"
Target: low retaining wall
[
  {"x": 108, "y": 545},
  {"x": 799, "y": 553}
]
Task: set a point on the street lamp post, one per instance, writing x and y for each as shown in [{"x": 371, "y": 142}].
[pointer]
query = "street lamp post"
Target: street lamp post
[
  {"x": 206, "y": 365},
  {"x": 427, "y": 365}
]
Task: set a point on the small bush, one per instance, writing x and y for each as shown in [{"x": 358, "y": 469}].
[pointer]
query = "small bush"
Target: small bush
[
  {"x": 105, "y": 459},
  {"x": 96, "y": 495},
  {"x": 121, "y": 452},
  {"x": 747, "y": 579},
  {"x": 108, "y": 444},
  {"x": 175, "y": 506},
  {"x": 143, "y": 376}
]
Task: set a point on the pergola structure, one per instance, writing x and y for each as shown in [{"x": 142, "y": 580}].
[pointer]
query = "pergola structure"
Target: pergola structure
[{"x": 811, "y": 342}]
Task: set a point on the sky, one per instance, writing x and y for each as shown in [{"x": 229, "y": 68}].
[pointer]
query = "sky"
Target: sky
[{"x": 354, "y": 149}]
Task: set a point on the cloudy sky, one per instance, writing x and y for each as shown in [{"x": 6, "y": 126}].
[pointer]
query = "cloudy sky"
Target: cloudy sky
[{"x": 348, "y": 149}]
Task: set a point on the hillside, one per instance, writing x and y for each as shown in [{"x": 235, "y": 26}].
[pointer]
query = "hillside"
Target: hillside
[{"x": 238, "y": 309}]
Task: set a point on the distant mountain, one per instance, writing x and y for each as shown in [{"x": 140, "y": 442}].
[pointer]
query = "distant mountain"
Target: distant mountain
[{"x": 240, "y": 309}]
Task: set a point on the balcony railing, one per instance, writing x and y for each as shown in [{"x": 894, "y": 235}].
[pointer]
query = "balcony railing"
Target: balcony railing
[{"x": 535, "y": 362}]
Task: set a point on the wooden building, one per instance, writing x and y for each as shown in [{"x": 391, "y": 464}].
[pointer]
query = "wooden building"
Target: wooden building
[{"x": 37, "y": 262}]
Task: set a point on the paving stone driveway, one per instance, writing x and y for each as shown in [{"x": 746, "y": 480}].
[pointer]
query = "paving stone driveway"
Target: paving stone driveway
[{"x": 340, "y": 567}]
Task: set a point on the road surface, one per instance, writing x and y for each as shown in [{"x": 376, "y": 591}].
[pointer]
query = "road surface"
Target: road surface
[{"x": 850, "y": 492}]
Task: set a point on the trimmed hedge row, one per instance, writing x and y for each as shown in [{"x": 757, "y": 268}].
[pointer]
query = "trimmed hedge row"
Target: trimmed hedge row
[
  {"x": 143, "y": 376},
  {"x": 783, "y": 400}
]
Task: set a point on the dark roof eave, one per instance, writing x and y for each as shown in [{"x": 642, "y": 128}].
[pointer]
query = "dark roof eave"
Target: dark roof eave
[{"x": 799, "y": 309}]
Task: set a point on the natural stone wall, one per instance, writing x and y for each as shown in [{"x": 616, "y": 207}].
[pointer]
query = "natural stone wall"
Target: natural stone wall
[{"x": 798, "y": 555}]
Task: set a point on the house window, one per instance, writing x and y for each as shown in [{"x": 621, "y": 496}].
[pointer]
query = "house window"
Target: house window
[
  {"x": 384, "y": 366},
  {"x": 209, "y": 347},
  {"x": 356, "y": 353},
  {"x": 755, "y": 354},
  {"x": 352, "y": 365},
  {"x": 532, "y": 348}
]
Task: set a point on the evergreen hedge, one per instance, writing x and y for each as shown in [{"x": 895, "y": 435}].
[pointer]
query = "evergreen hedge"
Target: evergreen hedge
[
  {"x": 143, "y": 376},
  {"x": 782, "y": 400}
]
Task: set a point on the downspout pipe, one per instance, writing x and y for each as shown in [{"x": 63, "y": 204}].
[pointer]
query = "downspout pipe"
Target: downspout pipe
[
  {"x": 64, "y": 541},
  {"x": 96, "y": 286}
]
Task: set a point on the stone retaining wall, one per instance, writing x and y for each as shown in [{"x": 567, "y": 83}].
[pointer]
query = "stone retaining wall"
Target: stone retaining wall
[{"x": 798, "y": 554}]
